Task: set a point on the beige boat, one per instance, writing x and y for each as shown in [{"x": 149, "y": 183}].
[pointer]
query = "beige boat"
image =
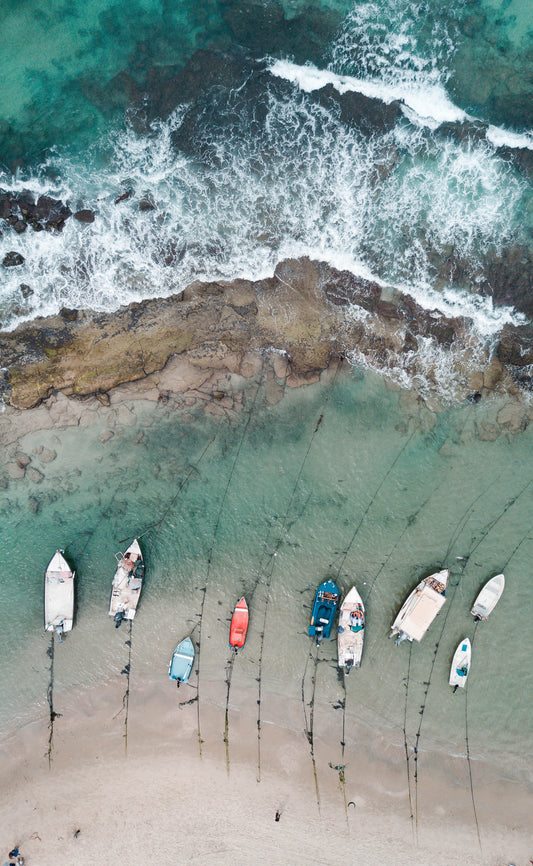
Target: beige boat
[
  {"x": 127, "y": 584},
  {"x": 58, "y": 595},
  {"x": 421, "y": 607},
  {"x": 351, "y": 631}
]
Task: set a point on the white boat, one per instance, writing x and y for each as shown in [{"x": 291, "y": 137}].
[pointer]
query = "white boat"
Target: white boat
[
  {"x": 421, "y": 607},
  {"x": 461, "y": 664},
  {"x": 58, "y": 595},
  {"x": 351, "y": 631},
  {"x": 127, "y": 584},
  {"x": 488, "y": 598}
]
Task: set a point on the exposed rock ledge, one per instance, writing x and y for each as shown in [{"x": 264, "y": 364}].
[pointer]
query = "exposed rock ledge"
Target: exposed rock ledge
[{"x": 308, "y": 311}]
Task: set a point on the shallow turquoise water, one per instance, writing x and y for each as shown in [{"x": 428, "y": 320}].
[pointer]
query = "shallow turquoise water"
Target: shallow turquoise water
[{"x": 383, "y": 492}]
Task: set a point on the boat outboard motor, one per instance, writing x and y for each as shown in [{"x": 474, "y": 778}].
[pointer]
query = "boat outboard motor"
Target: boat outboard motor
[
  {"x": 318, "y": 631},
  {"x": 59, "y": 632},
  {"x": 119, "y": 616},
  {"x": 349, "y": 665}
]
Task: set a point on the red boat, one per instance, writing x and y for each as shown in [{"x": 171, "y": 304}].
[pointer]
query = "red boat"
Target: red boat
[{"x": 239, "y": 625}]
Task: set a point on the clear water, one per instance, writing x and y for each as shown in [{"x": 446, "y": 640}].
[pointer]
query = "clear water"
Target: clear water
[
  {"x": 381, "y": 494},
  {"x": 266, "y": 171}
]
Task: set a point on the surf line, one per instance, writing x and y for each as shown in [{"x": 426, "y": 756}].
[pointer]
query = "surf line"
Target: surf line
[
  {"x": 209, "y": 563},
  {"x": 269, "y": 574}
]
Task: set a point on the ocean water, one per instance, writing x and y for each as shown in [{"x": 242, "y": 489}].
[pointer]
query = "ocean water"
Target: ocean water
[
  {"x": 378, "y": 494},
  {"x": 212, "y": 112}
]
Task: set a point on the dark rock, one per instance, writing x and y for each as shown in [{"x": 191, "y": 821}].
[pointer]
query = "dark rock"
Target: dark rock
[
  {"x": 19, "y": 226},
  {"x": 84, "y": 216},
  {"x": 516, "y": 345},
  {"x": 508, "y": 278},
  {"x": 146, "y": 203},
  {"x": 347, "y": 289},
  {"x": 26, "y": 290},
  {"x": 365, "y": 113},
  {"x": 521, "y": 157},
  {"x": 103, "y": 398},
  {"x": 12, "y": 260},
  {"x": 124, "y": 197},
  {"x": 52, "y": 212},
  {"x": 465, "y": 131},
  {"x": 5, "y": 206},
  {"x": 68, "y": 315},
  {"x": 33, "y": 505}
]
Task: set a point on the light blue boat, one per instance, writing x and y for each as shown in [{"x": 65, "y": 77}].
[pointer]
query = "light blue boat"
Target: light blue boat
[{"x": 181, "y": 662}]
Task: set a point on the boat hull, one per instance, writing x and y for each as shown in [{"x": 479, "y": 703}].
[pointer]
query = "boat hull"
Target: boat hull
[
  {"x": 182, "y": 661},
  {"x": 488, "y": 598},
  {"x": 127, "y": 584},
  {"x": 351, "y": 631},
  {"x": 460, "y": 667},
  {"x": 239, "y": 625},
  {"x": 421, "y": 607},
  {"x": 324, "y": 609},
  {"x": 58, "y": 595}
]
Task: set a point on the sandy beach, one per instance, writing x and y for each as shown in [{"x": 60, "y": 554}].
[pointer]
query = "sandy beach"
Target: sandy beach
[{"x": 159, "y": 801}]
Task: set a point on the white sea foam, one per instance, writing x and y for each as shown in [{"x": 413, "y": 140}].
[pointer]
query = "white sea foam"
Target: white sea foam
[
  {"x": 303, "y": 185},
  {"x": 504, "y": 138},
  {"x": 429, "y": 103}
]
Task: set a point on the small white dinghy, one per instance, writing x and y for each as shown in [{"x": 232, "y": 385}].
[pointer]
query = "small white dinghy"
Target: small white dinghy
[
  {"x": 421, "y": 607},
  {"x": 58, "y": 595},
  {"x": 488, "y": 598},
  {"x": 127, "y": 584},
  {"x": 461, "y": 665},
  {"x": 351, "y": 631}
]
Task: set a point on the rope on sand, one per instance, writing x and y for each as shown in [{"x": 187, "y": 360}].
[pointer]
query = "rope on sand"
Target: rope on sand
[{"x": 210, "y": 560}]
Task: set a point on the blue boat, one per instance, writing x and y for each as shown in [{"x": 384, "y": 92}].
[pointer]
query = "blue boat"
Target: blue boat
[
  {"x": 324, "y": 607},
  {"x": 181, "y": 662}
]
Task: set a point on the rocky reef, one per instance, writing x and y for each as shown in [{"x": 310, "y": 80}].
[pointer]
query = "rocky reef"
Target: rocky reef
[{"x": 307, "y": 313}]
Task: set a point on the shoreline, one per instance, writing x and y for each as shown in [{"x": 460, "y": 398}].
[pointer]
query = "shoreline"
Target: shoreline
[{"x": 161, "y": 793}]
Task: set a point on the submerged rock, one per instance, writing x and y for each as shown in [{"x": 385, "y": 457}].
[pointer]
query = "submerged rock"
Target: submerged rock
[
  {"x": 12, "y": 260},
  {"x": 84, "y": 216}
]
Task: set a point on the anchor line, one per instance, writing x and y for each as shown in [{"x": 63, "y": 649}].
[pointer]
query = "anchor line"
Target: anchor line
[
  {"x": 406, "y": 746},
  {"x": 483, "y": 535},
  {"x": 50, "y": 699},
  {"x": 210, "y": 560},
  {"x": 309, "y": 720},
  {"x": 409, "y": 522},
  {"x": 229, "y": 672},
  {"x": 126, "y": 671},
  {"x": 369, "y": 506},
  {"x": 270, "y": 572}
]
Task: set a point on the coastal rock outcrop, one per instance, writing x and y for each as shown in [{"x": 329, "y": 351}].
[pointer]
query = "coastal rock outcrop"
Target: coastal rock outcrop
[
  {"x": 20, "y": 210},
  {"x": 305, "y": 314}
]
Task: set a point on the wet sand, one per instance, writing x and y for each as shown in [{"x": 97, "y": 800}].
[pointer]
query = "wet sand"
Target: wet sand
[{"x": 158, "y": 801}]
